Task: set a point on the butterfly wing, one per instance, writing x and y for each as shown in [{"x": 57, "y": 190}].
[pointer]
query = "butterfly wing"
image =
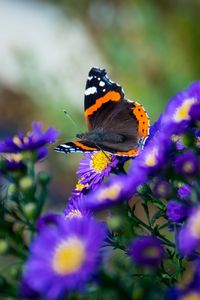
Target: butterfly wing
[
  {"x": 106, "y": 110},
  {"x": 75, "y": 146},
  {"x": 99, "y": 91}
]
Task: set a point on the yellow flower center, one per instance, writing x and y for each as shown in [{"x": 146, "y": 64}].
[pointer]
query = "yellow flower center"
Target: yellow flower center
[
  {"x": 80, "y": 186},
  {"x": 17, "y": 157},
  {"x": 100, "y": 161},
  {"x": 151, "y": 160},
  {"x": 75, "y": 213},
  {"x": 69, "y": 256},
  {"x": 110, "y": 193},
  {"x": 191, "y": 296},
  {"x": 194, "y": 225},
  {"x": 152, "y": 252},
  {"x": 162, "y": 189},
  {"x": 188, "y": 167},
  {"x": 182, "y": 112}
]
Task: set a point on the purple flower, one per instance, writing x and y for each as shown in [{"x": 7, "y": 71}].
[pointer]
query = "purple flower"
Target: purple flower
[
  {"x": 176, "y": 212},
  {"x": 189, "y": 235},
  {"x": 154, "y": 155},
  {"x": 146, "y": 251},
  {"x": 162, "y": 188},
  {"x": 95, "y": 167},
  {"x": 26, "y": 292},
  {"x": 64, "y": 256},
  {"x": 76, "y": 208},
  {"x": 187, "y": 163},
  {"x": 11, "y": 163},
  {"x": 195, "y": 112},
  {"x": 118, "y": 189},
  {"x": 31, "y": 142},
  {"x": 177, "y": 116},
  {"x": 184, "y": 191}
]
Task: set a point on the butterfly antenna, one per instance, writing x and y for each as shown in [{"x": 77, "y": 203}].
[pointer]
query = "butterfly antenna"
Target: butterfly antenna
[{"x": 68, "y": 115}]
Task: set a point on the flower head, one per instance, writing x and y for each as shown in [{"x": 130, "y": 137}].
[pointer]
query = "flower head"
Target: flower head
[
  {"x": 195, "y": 112},
  {"x": 64, "y": 256},
  {"x": 95, "y": 166},
  {"x": 154, "y": 155},
  {"x": 146, "y": 251},
  {"x": 187, "y": 163},
  {"x": 184, "y": 191},
  {"x": 162, "y": 188},
  {"x": 34, "y": 141},
  {"x": 176, "y": 212},
  {"x": 189, "y": 235},
  {"x": 177, "y": 117}
]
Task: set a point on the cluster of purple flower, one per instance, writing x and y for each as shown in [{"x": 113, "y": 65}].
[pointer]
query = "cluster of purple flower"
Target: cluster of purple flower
[{"x": 65, "y": 254}]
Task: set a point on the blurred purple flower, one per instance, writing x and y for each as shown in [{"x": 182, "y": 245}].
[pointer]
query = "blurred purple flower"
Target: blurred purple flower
[
  {"x": 32, "y": 141},
  {"x": 184, "y": 191},
  {"x": 154, "y": 155},
  {"x": 187, "y": 163},
  {"x": 189, "y": 235},
  {"x": 64, "y": 256},
  {"x": 176, "y": 212},
  {"x": 195, "y": 112},
  {"x": 146, "y": 251},
  {"x": 177, "y": 118},
  {"x": 26, "y": 292},
  {"x": 162, "y": 188}
]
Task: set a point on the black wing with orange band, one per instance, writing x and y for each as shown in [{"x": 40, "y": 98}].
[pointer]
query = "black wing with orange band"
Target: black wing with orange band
[{"x": 99, "y": 90}]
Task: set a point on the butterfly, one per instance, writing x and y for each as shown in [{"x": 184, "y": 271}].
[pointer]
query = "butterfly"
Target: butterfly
[{"x": 115, "y": 124}]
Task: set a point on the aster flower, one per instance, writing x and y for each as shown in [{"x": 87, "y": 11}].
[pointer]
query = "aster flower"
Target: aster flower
[
  {"x": 34, "y": 141},
  {"x": 64, "y": 256},
  {"x": 146, "y": 251},
  {"x": 177, "y": 116},
  {"x": 154, "y": 155},
  {"x": 95, "y": 167},
  {"x": 187, "y": 163},
  {"x": 189, "y": 235},
  {"x": 195, "y": 112},
  {"x": 11, "y": 162},
  {"x": 116, "y": 190},
  {"x": 184, "y": 191},
  {"x": 76, "y": 208},
  {"x": 176, "y": 212},
  {"x": 162, "y": 188}
]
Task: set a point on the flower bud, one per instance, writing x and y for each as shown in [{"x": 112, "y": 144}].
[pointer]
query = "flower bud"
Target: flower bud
[
  {"x": 3, "y": 246},
  {"x": 26, "y": 183},
  {"x": 43, "y": 178},
  {"x": 114, "y": 223},
  {"x": 12, "y": 190},
  {"x": 29, "y": 210}
]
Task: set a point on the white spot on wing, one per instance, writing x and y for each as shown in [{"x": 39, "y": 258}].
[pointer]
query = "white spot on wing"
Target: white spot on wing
[
  {"x": 101, "y": 83},
  {"x": 90, "y": 90},
  {"x": 90, "y": 77},
  {"x": 65, "y": 146}
]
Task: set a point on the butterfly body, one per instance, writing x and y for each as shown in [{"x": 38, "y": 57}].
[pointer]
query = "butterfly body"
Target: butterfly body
[{"x": 115, "y": 124}]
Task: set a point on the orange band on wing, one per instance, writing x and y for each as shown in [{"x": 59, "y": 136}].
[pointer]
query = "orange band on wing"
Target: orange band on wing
[
  {"x": 143, "y": 120},
  {"x": 78, "y": 144},
  {"x": 132, "y": 152},
  {"x": 112, "y": 95}
]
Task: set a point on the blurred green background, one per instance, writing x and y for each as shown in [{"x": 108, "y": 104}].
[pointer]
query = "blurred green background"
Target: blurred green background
[{"x": 47, "y": 48}]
